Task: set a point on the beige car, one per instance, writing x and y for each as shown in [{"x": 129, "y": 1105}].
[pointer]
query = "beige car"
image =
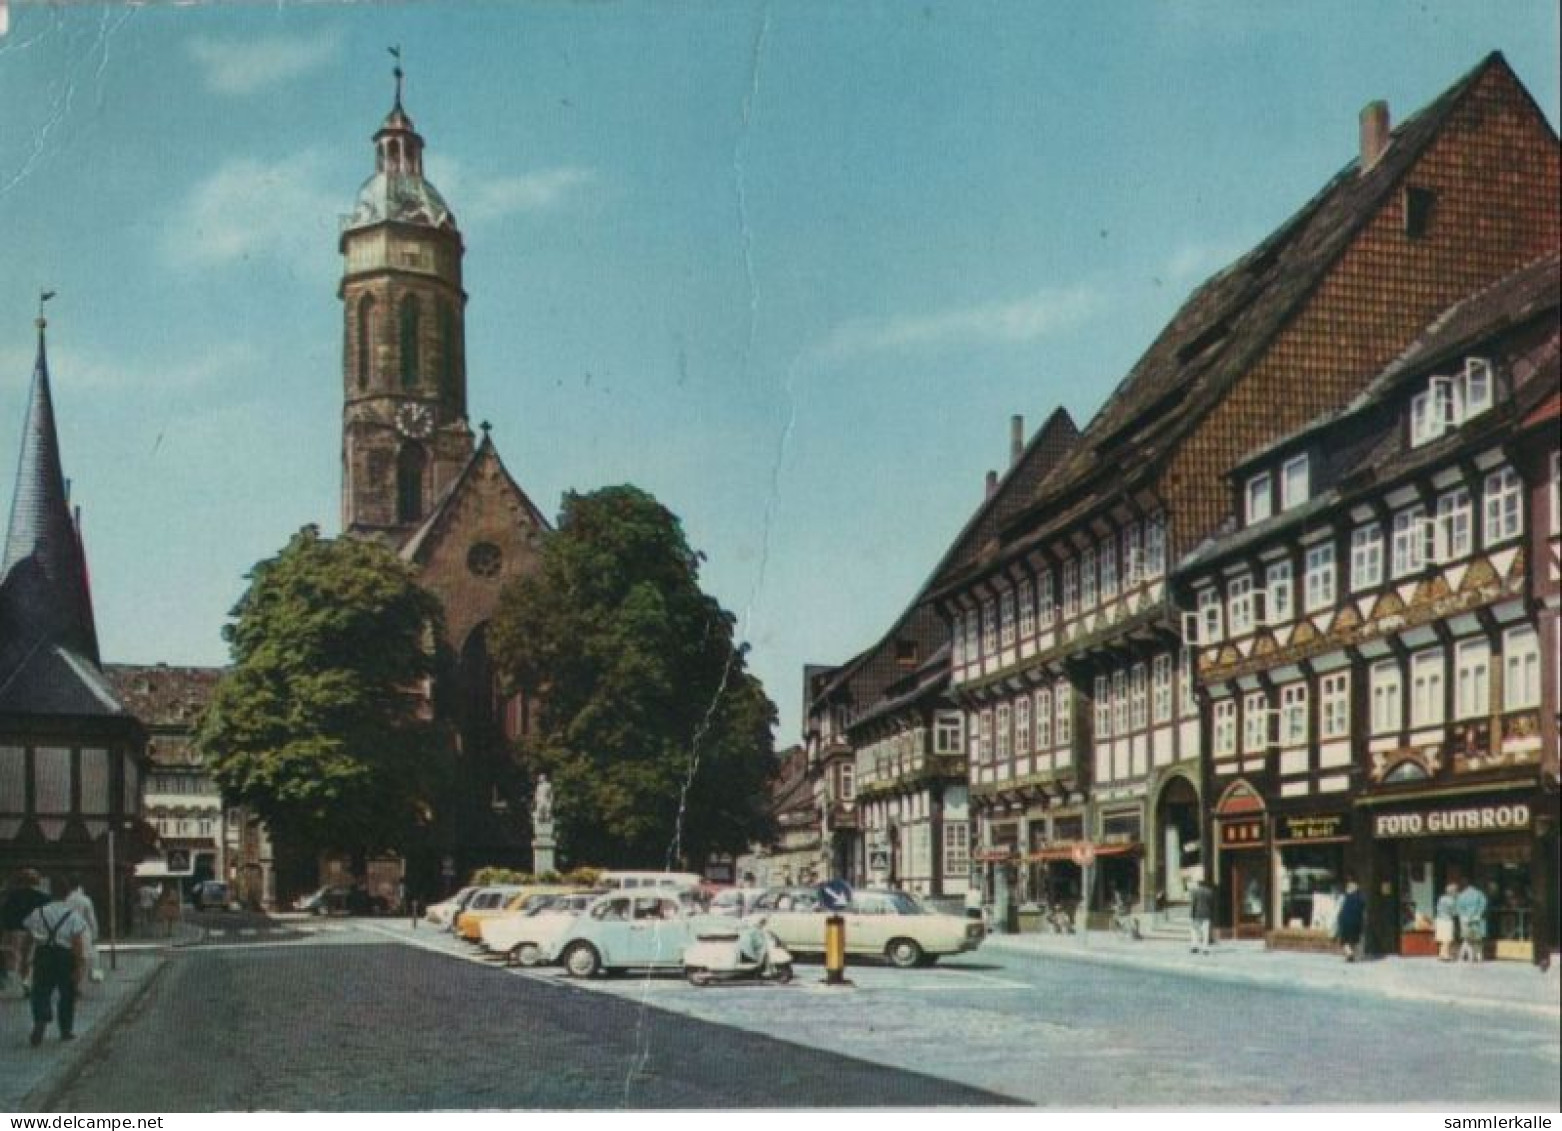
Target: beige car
[{"x": 889, "y": 924}]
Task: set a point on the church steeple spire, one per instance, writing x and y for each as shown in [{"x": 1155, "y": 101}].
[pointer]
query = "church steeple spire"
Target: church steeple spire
[{"x": 42, "y": 537}]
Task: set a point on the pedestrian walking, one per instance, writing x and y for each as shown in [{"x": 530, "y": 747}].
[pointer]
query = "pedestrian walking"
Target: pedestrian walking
[
  {"x": 81, "y": 903},
  {"x": 1445, "y": 923},
  {"x": 1201, "y": 915},
  {"x": 58, "y": 963},
  {"x": 22, "y": 898},
  {"x": 1471, "y": 907},
  {"x": 1350, "y": 921}
]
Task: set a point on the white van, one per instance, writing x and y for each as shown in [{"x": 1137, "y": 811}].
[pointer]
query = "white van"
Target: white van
[{"x": 631, "y": 880}]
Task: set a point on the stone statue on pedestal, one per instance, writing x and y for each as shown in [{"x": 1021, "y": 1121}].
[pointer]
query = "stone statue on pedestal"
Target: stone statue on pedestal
[{"x": 543, "y": 843}]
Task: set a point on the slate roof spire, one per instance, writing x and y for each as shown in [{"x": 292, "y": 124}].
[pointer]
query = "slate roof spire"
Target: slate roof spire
[{"x": 42, "y": 540}]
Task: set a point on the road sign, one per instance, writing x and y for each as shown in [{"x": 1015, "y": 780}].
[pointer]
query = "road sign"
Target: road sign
[
  {"x": 878, "y": 861},
  {"x": 835, "y": 895},
  {"x": 1083, "y": 854},
  {"x": 180, "y": 862}
]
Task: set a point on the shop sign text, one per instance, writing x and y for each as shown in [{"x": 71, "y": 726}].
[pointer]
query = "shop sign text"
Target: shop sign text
[{"x": 1443, "y": 822}]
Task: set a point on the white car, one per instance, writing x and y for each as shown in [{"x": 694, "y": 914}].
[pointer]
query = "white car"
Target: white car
[
  {"x": 888, "y": 924},
  {"x": 529, "y": 939},
  {"x": 444, "y": 913}
]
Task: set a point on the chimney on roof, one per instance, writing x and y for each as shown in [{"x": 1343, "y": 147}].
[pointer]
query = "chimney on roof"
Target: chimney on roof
[
  {"x": 992, "y": 484},
  {"x": 1374, "y": 132},
  {"x": 1016, "y": 439}
]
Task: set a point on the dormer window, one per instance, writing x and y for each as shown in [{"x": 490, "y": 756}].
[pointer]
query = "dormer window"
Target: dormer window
[
  {"x": 1294, "y": 484},
  {"x": 1449, "y": 401},
  {"x": 1258, "y": 498}
]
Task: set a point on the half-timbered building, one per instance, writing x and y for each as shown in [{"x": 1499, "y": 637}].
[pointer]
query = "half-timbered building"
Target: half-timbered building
[
  {"x": 1369, "y": 648},
  {"x": 1068, "y": 655}
]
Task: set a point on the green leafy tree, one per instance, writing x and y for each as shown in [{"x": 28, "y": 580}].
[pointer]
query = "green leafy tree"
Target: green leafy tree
[
  {"x": 317, "y": 725},
  {"x": 658, "y": 740}
]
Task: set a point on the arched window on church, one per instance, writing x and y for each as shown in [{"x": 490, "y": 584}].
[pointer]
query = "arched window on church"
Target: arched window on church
[
  {"x": 365, "y": 341},
  {"x": 410, "y": 315},
  {"x": 447, "y": 348},
  {"x": 410, "y": 465}
]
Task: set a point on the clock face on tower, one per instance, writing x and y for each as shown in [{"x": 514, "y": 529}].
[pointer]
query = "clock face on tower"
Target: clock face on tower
[{"x": 415, "y": 420}]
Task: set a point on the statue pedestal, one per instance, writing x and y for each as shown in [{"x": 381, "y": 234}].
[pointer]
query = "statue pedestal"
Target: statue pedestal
[{"x": 543, "y": 846}]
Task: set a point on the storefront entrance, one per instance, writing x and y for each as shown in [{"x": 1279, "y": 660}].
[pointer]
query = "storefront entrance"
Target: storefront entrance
[{"x": 1177, "y": 819}]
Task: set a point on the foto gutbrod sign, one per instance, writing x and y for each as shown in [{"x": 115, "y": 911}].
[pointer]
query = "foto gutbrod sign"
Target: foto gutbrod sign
[{"x": 1512, "y": 817}]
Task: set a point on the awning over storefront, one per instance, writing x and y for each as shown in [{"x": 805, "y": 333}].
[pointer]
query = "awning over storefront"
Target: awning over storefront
[{"x": 1066, "y": 852}]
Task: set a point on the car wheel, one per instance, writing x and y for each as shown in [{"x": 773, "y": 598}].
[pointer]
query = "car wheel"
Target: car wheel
[
  {"x": 904, "y": 953},
  {"x": 582, "y": 961},
  {"x": 697, "y": 975},
  {"x": 527, "y": 954}
]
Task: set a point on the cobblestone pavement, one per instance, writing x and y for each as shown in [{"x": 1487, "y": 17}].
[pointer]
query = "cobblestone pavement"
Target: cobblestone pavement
[
  {"x": 1042, "y": 1025},
  {"x": 353, "y": 1021}
]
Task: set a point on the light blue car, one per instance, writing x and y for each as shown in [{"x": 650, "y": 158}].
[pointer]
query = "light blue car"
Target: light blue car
[{"x": 647, "y": 930}]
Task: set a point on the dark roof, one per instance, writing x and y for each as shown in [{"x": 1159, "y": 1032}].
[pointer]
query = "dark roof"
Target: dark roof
[
  {"x": 1506, "y": 307},
  {"x": 163, "y": 696},
  {"x": 412, "y": 548},
  {"x": 42, "y": 538},
  {"x": 46, "y": 679},
  {"x": 1231, "y": 320}
]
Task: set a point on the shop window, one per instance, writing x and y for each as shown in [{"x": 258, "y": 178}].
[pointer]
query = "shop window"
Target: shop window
[{"x": 1520, "y": 669}]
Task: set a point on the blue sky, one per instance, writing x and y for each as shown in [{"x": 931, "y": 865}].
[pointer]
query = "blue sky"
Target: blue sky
[{"x": 790, "y": 266}]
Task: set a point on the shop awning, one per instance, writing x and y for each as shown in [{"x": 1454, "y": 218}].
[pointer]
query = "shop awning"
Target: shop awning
[{"x": 1066, "y": 852}]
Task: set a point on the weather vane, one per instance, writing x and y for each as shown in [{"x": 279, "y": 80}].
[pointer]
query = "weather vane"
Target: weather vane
[
  {"x": 43, "y": 297},
  {"x": 395, "y": 52}
]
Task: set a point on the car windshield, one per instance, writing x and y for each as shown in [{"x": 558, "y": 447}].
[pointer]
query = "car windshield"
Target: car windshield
[{"x": 886, "y": 903}]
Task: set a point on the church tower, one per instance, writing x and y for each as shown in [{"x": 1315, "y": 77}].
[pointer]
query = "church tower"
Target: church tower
[{"x": 405, "y": 436}]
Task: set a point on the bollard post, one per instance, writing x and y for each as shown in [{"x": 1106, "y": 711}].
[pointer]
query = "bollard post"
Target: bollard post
[
  {"x": 835, "y": 951},
  {"x": 413, "y": 904}
]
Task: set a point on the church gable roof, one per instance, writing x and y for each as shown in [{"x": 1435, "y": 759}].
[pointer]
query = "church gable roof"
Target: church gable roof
[
  {"x": 421, "y": 542},
  {"x": 47, "y": 679}
]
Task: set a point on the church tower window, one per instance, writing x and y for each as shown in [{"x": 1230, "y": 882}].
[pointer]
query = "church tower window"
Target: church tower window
[
  {"x": 410, "y": 465},
  {"x": 366, "y": 338},
  {"x": 410, "y": 317}
]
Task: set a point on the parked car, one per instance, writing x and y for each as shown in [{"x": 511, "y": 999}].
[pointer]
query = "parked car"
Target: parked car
[
  {"x": 342, "y": 901},
  {"x": 209, "y": 894},
  {"x": 890, "y": 924},
  {"x": 531, "y": 937},
  {"x": 787, "y": 899},
  {"x": 470, "y": 923},
  {"x": 485, "y": 903},
  {"x": 643, "y": 931},
  {"x": 443, "y": 913},
  {"x": 735, "y": 902}
]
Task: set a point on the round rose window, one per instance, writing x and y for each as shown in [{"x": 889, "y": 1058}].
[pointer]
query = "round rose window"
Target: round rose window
[{"x": 484, "y": 559}]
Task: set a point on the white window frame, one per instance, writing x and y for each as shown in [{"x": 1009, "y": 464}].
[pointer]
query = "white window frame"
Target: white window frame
[
  {"x": 1388, "y": 698},
  {"x": 1472, "y": 678},
  {"x": 1239, "y": 600},
  {"x": 1161, "y": 706},
  {"x": 1478, "y": 375},
  {"x": 1022, "y": 731},
  {"x": 1279, "y": 605},
  {"x": 1427, "y": 702},
  {"x": 1044, "y": 719},
  {"x": 1366, "y": 557},
  {"x": 1260, "y": 497},
  {"x": 1046, "y": 611},
  {"x": 1255, "y": 722},
  {"x": 1190, "y": 700},
  {"x": 1087, "y": 579},
  {"x": 1071, "y": 589},
  {"x": 1225, "y": 728},
  {"x": 1504, "y": 505},
  {"x": 1027, "y": 599},
  {"x": 985, "y": 743},
  {"x": 1103, "y": 705},
  {"x": 1294, "y": 730},
  {"x": 1155, "y": 547},
  {"x": 957, "y": 641},
  {"x": 989, "y": 628},
  {"x": 1334, "y": 706},
  {"x": 945, "y": 725},
  {"x": 1409, "y": 542},
  {"x": 1109, "y": 570},
  {"x": 1520, "y": 668},
  {"x": 1321, "y": 589},
  {"x": 1004, "y": 746},
  {"x": 1120, "y": 727},
  {"x": 1063, "y": 713},
  {"x": 1006, "y": 619},
  {"x": 1295, "y": 481},
  {"x": 957, "y": 848},
  {"x": 1454, "y": 537},
  {"x": 1211, "y": 622},
  {"x": 1133, "y": 556},
  {"x": 1139, "y": 697}
]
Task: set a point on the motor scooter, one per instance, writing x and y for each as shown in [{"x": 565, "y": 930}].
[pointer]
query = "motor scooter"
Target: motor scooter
[{"x": 730, "y": 954}]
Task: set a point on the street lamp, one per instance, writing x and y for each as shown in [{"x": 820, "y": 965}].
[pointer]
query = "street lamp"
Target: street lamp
[{"x": 113, "y": 892}]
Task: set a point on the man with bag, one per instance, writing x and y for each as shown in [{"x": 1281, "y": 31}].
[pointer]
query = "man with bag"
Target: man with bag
[{"x": 59, "y": 959}]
